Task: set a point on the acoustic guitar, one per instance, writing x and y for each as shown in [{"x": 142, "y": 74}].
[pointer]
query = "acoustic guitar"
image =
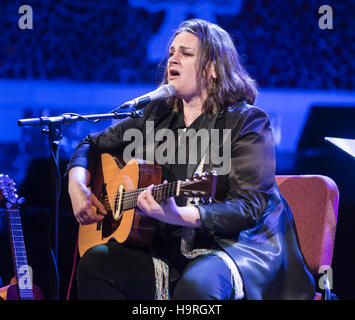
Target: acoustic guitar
[
  {"x": 117, "y": 187},
  {"x": 21, "y": 286}
]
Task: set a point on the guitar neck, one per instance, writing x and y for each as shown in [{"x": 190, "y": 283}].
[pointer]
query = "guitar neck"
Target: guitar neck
[
  {"x": 19, "y": 254},
  {"x": 160, "y": 192}
]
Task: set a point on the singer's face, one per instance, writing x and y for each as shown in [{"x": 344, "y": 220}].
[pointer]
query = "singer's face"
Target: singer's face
[{"x": 182, "y": 66}]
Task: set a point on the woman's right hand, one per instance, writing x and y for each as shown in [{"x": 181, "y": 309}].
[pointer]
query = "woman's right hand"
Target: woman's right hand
[{"x": 85, "y": 204}]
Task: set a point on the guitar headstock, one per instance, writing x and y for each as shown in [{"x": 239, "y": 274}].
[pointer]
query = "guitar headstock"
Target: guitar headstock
[
  {"x": 200, "y": 186},
  {"x": 7, "y": 190}
]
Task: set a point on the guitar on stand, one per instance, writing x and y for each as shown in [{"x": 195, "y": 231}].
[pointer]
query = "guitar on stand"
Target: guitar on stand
[{"x": 21, "y": 286}]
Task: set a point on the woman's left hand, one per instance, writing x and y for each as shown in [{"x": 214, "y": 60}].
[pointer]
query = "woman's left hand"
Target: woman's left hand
[{"x": 167, "y": 211}]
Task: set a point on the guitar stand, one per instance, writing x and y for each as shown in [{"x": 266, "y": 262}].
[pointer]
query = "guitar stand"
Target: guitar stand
[{"x": 54, "y": 133}]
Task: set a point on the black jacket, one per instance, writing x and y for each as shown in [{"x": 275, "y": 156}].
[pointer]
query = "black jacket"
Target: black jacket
[{"x": 249, "y": 218}]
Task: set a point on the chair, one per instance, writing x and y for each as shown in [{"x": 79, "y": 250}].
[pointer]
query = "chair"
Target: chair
[{"x": 314, "y": 201}]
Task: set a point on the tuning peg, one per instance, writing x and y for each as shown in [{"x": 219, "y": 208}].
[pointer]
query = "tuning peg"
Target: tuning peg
[
  {"x": 21, "y": 200},
  {"x": 206, "y": 200}
]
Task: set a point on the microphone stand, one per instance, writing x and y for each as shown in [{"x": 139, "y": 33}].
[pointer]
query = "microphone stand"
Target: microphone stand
[{"x": 54, "y": 132}]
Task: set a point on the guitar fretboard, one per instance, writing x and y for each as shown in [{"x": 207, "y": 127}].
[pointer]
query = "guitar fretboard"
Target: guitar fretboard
[
  {"x": 159, "y": 192},
  {"x": 19, "y": 254}
]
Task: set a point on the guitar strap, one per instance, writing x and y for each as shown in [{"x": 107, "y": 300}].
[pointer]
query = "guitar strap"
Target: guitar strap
[{"x": 162, "y": 269}]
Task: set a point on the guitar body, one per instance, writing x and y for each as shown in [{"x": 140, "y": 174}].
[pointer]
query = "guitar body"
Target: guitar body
[
  {"x": 11, "y": 292},
  {"x": 9, "y": 200},
  {"x": 130, "y": 227}
]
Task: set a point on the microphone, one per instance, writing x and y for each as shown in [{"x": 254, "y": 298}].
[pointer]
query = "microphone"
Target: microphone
[{"x": 163, "y": 92}]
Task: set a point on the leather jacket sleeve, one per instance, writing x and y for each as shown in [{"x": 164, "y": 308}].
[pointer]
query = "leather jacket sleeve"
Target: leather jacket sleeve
[{"x": 250, "y": 180}]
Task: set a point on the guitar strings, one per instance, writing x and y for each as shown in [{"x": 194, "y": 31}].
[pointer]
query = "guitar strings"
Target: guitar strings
[
  {"x": 134, "y": 193},
  {"x": 130, "y": 197},
  {"x": 19, "y": 249}
]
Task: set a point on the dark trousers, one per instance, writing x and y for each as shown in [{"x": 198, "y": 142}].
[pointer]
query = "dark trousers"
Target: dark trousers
[{"x": 116, "y": 271}]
